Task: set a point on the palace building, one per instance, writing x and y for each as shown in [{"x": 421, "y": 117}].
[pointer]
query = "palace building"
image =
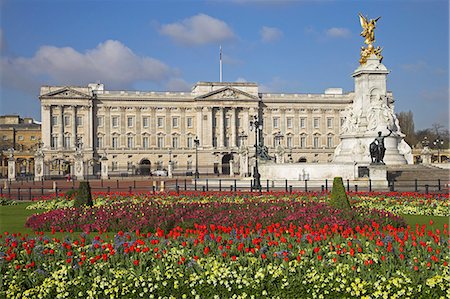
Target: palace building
[{"x": 141, "y": 131}]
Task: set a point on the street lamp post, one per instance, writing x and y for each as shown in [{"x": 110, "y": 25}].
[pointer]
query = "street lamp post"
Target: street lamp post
[
  {"x": 197, "y": 143},
  {"x": 257, "y": 126},
  {"x": 437, "y": 143}
]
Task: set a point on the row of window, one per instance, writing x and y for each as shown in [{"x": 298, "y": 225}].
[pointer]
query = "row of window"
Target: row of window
[
  {"x": 175, "y": 142},
  {"x": 67, "y": 120},
  {"x": 303, "y": 121},
  {"x": 20, "y": 138},
  {"x": 160, "y": 121}
]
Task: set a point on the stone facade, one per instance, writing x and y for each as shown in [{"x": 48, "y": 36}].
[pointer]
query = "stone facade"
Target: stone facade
[
  {"x": 21, "y": 134},
  {"x": 137, "y": 131}
]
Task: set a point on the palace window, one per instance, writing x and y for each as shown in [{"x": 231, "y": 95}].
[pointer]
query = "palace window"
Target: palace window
[
  {"x": 175, "y": 142},
  {"x": 54, "y": 120},
  {"x": 174, "y": 122},
  {"x": 303, "y": 142},
  {"x": 189, "y": 122},
  {"x": 130, "y": 142},
  {"x": 227, "y": 122},
  {"x": 54, "y": 142},
  {"x": 289, "y": 122},
  {"x": 276, "y": 122},
  {"x": 99, "y": 142},
  {"x": 316, "y": 123},
  {"x": 316, "y": 142},
  {"x": 289, "y": 142},
  {"x": 145, "y": 122},
  {"x": 190, "y": 142},
  {"x": 160, "y": 121},
  {"x": 79, "y": 121},
  {"x": 115, "y": 142},
  {"x": 160, "y": 141},
  {"x": 329, "y": 123},
  {"x": 330, "y": 141},
  {"x": 114, "y": 165},
  {"x": 145, "y": 142},
  {"x": 115, "y": 121},
  {"x": 20, "y": 138},
  {"x": 66, "y": 142},
  {"x": 130, "y": 121},
  {"x": 66, "y": 120},
  {"x": 33, "y": 138},
  {"x": 100, "y": 121},
  {"x": 303, "y": 122}
]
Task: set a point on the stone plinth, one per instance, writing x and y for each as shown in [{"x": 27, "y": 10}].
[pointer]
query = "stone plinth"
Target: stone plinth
[
  {"x": 372, "y": 111},
  {"x": 104, "y": 168},
  {"x": 318, "y": 173},
  {"x": 11, "y": 169}
]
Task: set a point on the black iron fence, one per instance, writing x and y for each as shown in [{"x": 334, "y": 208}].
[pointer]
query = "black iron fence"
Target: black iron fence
[{"x": 27, "y": 190}]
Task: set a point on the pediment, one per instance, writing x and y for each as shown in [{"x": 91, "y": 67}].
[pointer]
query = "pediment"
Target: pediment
[
  {"x": 227, "y": 93},
  {"x": 66, "y": 93}
]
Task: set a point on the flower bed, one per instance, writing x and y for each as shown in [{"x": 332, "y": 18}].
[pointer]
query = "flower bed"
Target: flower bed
[
  {"x": 231, "y": 261},
  {"x": 407, "y": 203},
  {"x": 148, "y": 215}
]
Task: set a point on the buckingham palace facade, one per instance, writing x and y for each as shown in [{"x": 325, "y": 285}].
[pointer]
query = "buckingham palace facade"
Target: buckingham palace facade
[{"x": 140, "y": 131}]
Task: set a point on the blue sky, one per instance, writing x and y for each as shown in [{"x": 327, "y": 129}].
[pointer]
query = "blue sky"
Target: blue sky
[{"x": 284, "y": 46}]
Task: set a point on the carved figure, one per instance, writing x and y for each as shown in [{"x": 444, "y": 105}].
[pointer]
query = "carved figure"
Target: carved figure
[
  {"x": 377, "y": 148},
  {"x": 369, "y": 38},
  {"x": 368, "y": 29}
]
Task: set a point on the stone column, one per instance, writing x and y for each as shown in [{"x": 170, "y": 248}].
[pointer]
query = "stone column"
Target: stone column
[
  {"x": 74, "y": 126},
  {"x": 107, "y": 124},
  {"x": 46, "y": 127},
  {"x": 138, "y": 128},
  {"x": 104, "y": 167},
  {"x": 182, "y": 126},
  {"x": 122, "y": 139},
  {"x": 11, "y": 168},
  {"x": 220, "y": 128},
  {"x": 199, "y": 124},
  {"x": 153, "y": 125},
  {"x": 231, "y": 168},
  {"x": 208, "y": 124},
  {"x": 89, "y": 124},
  {"x": 61, "y": 128},
  {"x": 251, "y": 135},
  {"x": 233, "y": 128}
]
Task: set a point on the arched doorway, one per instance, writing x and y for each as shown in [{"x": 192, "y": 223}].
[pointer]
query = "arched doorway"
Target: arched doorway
[
  {"x": 226, "y": 163},
  {"x": 144, "y": 167}
]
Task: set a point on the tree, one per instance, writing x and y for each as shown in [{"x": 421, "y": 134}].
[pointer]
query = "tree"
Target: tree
[{"x": 406, "y": 122}]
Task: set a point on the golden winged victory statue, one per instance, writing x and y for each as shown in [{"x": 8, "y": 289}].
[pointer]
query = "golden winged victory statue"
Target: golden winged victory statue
[{"x": 369, "y": 38}]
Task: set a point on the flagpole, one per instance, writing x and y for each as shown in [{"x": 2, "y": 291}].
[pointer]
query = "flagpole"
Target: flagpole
[{"x": 220, "y": 64}]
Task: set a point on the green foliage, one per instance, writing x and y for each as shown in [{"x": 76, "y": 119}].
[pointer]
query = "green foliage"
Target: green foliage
[
  {"x": 83, "y": 196},
  {"x": 338, "y": 197}
]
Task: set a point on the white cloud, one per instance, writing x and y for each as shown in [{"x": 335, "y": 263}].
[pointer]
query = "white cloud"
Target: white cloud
[
  {"x": 336, "y": 32},
  {"x": 110, "y": 62},
  {"x": 198, "y": 30},
  {"x": 270, "y": 34},
  {"x": 241, "y": 80}
]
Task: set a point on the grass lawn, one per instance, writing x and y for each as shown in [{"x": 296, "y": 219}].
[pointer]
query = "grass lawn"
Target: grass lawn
[{"x": 13, "y": 218}]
